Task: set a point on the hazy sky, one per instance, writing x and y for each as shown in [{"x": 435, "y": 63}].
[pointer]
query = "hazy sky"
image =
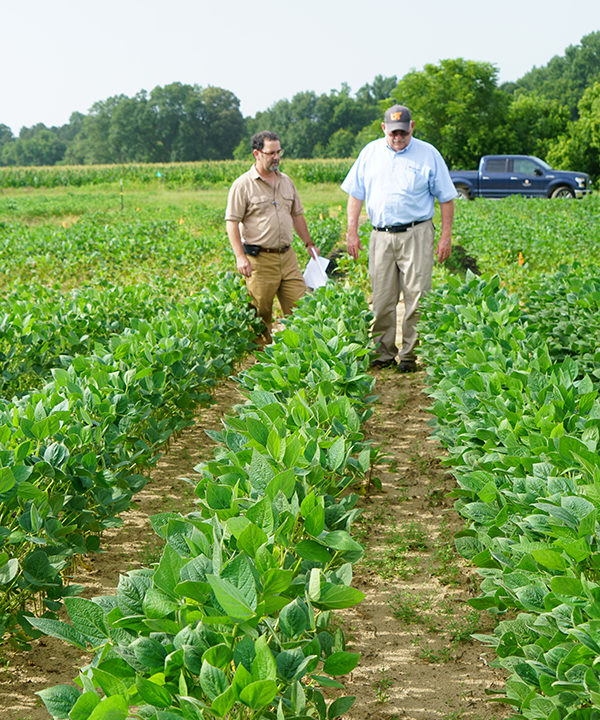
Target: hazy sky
[{"x": 61, "y": 56}]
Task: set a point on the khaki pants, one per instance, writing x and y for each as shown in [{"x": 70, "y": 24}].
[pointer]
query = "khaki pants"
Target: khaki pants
[
  {"x": 275, "y": 275},
  {"x": 399, "y": 262}
]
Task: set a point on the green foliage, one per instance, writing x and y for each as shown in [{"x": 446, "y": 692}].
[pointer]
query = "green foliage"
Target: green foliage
[
  {"x": 565, "y": 78},
  {"x": 520, "y": 419},
  {"x": 458, "y": 107},
  {"x": 312, "y": 125},
  {"x": 579, "y": 146},
  {"x": 175, "y": 175},
  {"x": 534, "y": 122},
  {"x": 71, "y": 451},
  {"x": 234, "y": 620},
  {"x": 523, "y": 238}
]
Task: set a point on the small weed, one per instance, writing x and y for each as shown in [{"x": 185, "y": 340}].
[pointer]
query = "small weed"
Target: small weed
[
  {"x": 457, "y": 633},
  {"x": 382, "y": 685},
  {"x": 411, "y": 536},
  {"x": 434, "y": 497},
  {"x": 436, "y": 657},
  {"x": 445, "y": 566},
  {"x": 409, "y": 609},
  {"x": 401, "y": 401},
  {"x": 390, "y": 565}
]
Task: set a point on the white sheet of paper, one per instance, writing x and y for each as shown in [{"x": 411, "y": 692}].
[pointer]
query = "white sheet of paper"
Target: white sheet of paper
[{"x": 314, "y": 274}]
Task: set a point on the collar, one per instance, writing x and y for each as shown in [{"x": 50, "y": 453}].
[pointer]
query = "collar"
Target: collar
[
  {"x": 255, "y": 175},
  {"x": 398, "y": 152}
]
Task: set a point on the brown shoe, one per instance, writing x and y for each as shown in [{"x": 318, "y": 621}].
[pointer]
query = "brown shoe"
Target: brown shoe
[
  {"x": 378, "y": 364},
  {"x": 407, "y": 366}
]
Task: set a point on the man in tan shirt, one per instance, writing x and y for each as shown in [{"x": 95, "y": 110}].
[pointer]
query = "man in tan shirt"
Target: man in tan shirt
[{"x": 263, "y": 210}]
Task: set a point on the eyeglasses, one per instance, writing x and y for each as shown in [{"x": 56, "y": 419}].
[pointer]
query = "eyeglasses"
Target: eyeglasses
[{"x": 272, "y": 152}]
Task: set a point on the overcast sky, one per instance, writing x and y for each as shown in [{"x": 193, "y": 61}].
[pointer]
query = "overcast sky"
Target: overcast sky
[{"x": 61, "y": 56}]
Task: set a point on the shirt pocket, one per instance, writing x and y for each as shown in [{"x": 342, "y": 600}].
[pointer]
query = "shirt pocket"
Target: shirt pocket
[{"x": 286, "y": 201}]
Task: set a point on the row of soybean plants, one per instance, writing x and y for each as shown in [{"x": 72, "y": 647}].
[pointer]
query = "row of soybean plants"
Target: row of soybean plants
[
  {"x": 112, "y": 248},
  {"x": 526, "y": 237},
  {"x": 71, "y": 451},
  {"x": 42, "y": 327},
  {"x": 235, "y": 620},
  {"x": 515, "y": 388}
]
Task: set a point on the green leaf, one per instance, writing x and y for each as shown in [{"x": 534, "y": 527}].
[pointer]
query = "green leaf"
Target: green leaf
[
  {"x": 153, "y": 694},
  {"x": 230, "y": 599},
  {"x": 223, "y": 703},
  {"x": 218, "y": 655},
  {"x": 158, "y": 605},
  {"x": 251, "y": 538},
  {"x": 260, "y": 472},
  {"x": 259, "y": 694},
  {"x": 340, "y": 706},
  {"x": 314, "y": 524},
  {"x": 291, "y": 338},
  {"x": 257, "y": 430},
  {"x": 341, "y": 663},
  {"x": 83, "y": 707},
  {"x": 313, "y": 551},
  {"x": 551, "y": 559},
  {"x": 212, "y": 680},
  {"x": 294, "y": 619},
  {"x": 341, "y": 540},
  {"x": 149, "y": 652},
  {"x": 59, "y": 699},
  {"x": 336, "y": 454},
  {"x": 334, "y": 597},
  {"x": 109, "y": 683},
  {"x": 60, "y": 630},
  {"x": 89, "y": 619},
  {"x": 9, "y": 571},
  {"x": 263, "y": 666},
  {"x": 167, "y": 574}
]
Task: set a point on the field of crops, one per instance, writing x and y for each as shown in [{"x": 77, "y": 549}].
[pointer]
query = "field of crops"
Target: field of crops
[{"x": 115, "y": 323}]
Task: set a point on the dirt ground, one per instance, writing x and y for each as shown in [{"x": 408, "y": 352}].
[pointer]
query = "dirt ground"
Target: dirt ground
[{"x": 412, "y": 630}]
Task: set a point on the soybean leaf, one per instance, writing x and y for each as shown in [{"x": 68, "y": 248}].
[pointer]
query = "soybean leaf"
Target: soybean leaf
[
  {"x": 59, "y": 699},
  {"x": 258, "y": 694},
  {"x": 89, "y": 619}
]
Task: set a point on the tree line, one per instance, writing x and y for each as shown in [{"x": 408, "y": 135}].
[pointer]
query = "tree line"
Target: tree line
[{"x": 458, "y": 105}]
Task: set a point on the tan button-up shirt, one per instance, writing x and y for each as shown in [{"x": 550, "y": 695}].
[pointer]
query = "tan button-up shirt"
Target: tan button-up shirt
[{"x": 264, "y": 211}]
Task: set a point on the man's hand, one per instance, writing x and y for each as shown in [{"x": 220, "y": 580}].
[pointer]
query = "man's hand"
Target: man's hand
[
  {"x": 444, "y": 248},
  {"x": 243, "y": 265},
  {"x": 353, "y": 244}
]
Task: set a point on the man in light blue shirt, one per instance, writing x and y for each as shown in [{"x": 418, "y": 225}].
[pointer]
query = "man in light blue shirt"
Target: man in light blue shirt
[{"x": 398, "y": 178}]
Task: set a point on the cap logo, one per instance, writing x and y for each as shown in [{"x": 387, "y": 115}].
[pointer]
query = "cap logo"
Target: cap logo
[{"x": 396, "y": 116}]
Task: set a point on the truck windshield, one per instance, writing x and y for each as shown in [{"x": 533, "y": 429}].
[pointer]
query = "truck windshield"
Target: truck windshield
[{"x": 542, "y": 163}]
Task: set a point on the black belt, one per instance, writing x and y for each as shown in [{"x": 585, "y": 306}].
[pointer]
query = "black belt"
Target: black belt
[
  {"x": 255, "y": 249},
  {"x": 399, "y": 228}
]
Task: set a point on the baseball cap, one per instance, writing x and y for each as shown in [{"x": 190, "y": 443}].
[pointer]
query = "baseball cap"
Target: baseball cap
[{"x": 397, "y": 117}]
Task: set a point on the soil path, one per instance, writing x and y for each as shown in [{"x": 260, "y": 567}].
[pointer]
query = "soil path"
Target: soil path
[{"x": 412, "y": 629}]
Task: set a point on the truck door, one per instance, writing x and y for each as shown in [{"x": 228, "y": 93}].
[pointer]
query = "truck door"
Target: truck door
[
  {"x": 494, "y": 177},
  {"x": 527, "y": 177}
]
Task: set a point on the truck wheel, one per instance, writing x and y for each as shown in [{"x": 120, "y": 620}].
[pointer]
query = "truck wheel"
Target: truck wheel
[
  {"x": 562, "y": 191},
  {"x": 463, "y": 192}
]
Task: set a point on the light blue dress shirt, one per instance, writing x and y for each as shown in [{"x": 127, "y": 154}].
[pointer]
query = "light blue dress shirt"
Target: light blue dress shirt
[{"x": 399, "y": 187}]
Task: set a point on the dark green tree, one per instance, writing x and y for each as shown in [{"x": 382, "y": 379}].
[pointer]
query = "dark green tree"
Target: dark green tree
[
  {"x": 565, "y": 78},
  {"x": 132, "y": 132},
  {"x": 579, "y": 147},
  {"x": 40, "y": 147},
  {"x": 533, "y": 124}
]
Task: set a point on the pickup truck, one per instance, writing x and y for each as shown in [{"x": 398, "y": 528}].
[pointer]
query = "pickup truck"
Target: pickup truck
[{"x": 503, "y": 175}]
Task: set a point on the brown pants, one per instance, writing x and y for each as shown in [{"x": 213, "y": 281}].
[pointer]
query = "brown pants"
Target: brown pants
[{"x": 275, "y": 275}]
